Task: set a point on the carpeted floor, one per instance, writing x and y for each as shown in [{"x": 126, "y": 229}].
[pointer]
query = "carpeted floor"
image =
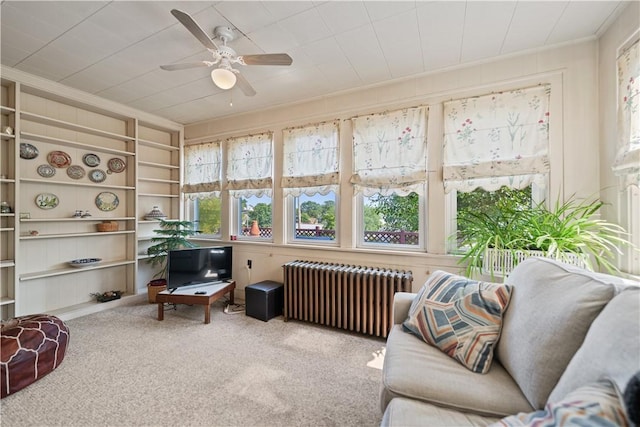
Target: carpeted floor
[{"x": 125, "y": 368}]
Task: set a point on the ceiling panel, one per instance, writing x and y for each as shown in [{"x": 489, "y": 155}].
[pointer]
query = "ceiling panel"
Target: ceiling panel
[
  {"x": 441, "y": 26},
  {"x": 485, "y": 29},
  {"x": 531, "y": 24},
  {"x": 114, "y": 49}
]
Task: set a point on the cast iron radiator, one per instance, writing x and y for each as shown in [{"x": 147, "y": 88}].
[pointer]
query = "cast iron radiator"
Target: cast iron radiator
[{"x": 349, "y": 297}]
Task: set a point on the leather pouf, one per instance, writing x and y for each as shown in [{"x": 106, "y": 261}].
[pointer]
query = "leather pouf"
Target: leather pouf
[{"x": 31, "y": 347}]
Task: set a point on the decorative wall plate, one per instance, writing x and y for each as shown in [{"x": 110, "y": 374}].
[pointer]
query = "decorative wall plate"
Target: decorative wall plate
[
  {"x": 116, "y": 165},
  {"x": 47, "y": 200},
  {"x": 107, "y": 201},
  {"x": 97, "y": 175},
  {"x": 28, "y": 151},
  {"x": 46, "y": 171},
  {"x": 75, "y": 172},
  {"x": 91, "y": 160},
  {"x": 59, "y": 159}
]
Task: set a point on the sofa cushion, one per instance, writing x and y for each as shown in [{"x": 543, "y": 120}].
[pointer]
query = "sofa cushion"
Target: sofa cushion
[
  {"x": 418, "y": 371},
  {"x": 461, "y": 317},
  {"x": 611, "y": 347},
  {"x": 403, "y": 412},
  {"x": 552, "y": 307},
  {"x": 597, "y": 404}
]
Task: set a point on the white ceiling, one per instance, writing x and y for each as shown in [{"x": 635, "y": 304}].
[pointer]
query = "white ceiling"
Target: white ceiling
[{"x": 113, "y": 49}]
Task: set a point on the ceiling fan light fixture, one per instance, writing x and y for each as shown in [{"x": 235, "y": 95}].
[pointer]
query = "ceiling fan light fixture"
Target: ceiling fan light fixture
[{"x": 223, "y": 78}]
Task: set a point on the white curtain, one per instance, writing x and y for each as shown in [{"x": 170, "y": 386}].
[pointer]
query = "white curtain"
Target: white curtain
[
  {"x": 310, "y": 163},
  {"x": 390, "y": 152},
  {"x": 202, "y": 164},
  {"x": 497, "y": 140},
  {"x": 250, "y": 165},
  {"x": 627, "y": 162}
]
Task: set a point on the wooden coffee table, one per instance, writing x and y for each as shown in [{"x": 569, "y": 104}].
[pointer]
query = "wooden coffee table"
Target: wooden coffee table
[{"x": 189, "y": 296}]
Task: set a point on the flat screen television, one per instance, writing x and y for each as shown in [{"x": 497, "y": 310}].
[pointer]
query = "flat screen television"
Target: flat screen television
[{"x": 198, "y": 266}]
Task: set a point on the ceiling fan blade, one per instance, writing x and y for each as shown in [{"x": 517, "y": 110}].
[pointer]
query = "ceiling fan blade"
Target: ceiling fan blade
[
  {"x": 267, "y": 59},
  {"x": 244, "y": 85},
  {"x": 191, "y": 25},
  {"x": 184, "y": 66}
]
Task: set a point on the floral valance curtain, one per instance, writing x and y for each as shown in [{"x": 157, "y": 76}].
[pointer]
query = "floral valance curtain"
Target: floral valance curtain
[
  {"x": 390, "y": 152},
  {"x": 202, "y": 164},
  {"x": 250, "y": 165},
  {"x": 497, "y": 140},
  {"x": 310, "y": 163},
  {"x": 627, "y": 162}
]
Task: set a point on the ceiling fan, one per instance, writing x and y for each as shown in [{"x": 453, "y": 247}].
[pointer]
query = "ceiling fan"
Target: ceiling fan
[{"x": 224, "y": 76}]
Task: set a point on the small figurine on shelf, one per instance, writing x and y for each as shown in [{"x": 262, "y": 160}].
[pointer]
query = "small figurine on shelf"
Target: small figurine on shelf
[
  {"x": 77, "y": 214},
  {"x": 86, "y": 214},
  {"x": 4, "y": 207}
]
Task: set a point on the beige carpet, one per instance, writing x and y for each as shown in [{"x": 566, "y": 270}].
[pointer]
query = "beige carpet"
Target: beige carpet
[{"x": 125, "y": 368}]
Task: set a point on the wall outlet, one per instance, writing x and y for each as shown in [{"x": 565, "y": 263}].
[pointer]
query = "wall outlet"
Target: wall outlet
[{"x": 249, "y": 263}]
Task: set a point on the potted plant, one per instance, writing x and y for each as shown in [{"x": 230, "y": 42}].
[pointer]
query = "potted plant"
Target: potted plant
[
  {"x": 171, "y": 235},
  {"x": 570, "y": 232}
]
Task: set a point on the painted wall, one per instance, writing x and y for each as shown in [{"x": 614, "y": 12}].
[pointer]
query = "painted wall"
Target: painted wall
[
  {"x": 572, "y": 72},
  {"x": 620, "y": 201}
]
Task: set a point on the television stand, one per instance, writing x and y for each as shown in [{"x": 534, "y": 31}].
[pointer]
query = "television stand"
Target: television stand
[{"x": 188, "y": 295}]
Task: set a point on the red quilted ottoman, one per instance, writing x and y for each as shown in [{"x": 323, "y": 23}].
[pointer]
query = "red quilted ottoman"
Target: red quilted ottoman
[{"x": 32, "y": 346}]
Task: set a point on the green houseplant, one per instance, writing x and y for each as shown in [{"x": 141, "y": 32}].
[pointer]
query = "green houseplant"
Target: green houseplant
[
  {"x": 170, "y": 236},
  {"x": 569, "y": 231}
]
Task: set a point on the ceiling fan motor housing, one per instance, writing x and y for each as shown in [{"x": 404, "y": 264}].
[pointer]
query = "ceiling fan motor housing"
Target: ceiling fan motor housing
[{"x": 224, "y": 33}]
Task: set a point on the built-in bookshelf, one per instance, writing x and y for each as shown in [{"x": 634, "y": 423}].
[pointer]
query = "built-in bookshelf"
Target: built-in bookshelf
[{"x": 78, "y": 179}]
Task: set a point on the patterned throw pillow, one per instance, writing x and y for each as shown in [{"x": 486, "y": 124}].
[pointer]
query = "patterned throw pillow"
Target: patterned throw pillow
[
  {"x": 597, "y": 404},
  {"x": 461, "y": 317}
]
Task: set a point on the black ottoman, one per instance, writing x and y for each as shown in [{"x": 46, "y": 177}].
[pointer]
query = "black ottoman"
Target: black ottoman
[{"x": 264, "y": 300}]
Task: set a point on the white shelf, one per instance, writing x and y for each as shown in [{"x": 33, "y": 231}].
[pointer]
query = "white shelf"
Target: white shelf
[
  {"x": 170, "y": 196},
  {"x": 157, "y": 145},
  {"x": 6, "y": 263},
  {"x": 91, "y": 219},
  {"x": 6, "y": 301},
  {"x": 7, "y": 136},
  {"x": 7, "y": 214},
  {"x": 7, "y": 180},
  {"x": 72, "y": 126},
  {"x": 76, "y": 184},
  {"x": 6, "y": 110},
  {"x": 48, "y": 139},
  {"x": 7, "y": 229},
  {"x": 158, "y": 165},
  {"x": 160, "y": 181},
  {"x": 62, "y": 236},
  {"x": 71, "y": 270}
]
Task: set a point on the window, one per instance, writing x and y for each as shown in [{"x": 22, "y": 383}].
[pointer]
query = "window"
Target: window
[
  {"x": 496, "y": 150},
  {"x": 310, "y": 180},
  {"x": 627, "y": 163},
  {"x": 250, "y": 182},
  {"x": 389, "y": 177},
  {"x": 202, "y": 187},
  {"x": 392, "y": 219},
  {"x": 314, "y": 217}
]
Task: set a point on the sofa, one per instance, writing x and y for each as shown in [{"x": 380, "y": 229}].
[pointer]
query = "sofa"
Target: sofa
[{"x": 567, "y": 335}]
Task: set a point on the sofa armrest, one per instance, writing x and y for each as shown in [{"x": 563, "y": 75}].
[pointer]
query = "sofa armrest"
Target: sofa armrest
[{"x": 401, "y": 304}]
